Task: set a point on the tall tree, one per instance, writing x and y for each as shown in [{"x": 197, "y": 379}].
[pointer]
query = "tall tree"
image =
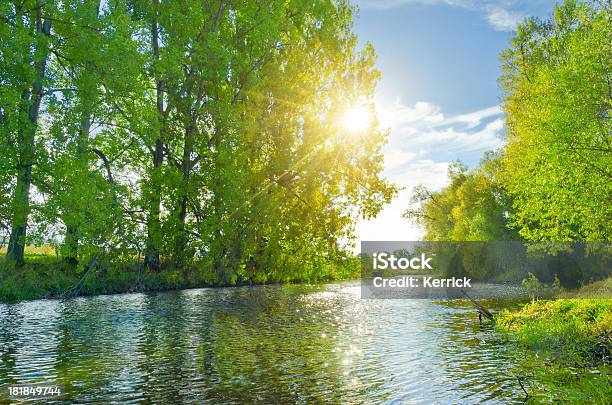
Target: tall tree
[
  {"x": 557, "y": 100},
  {"x": 84, "y": 139},
  {"x": 25, "y": 52},
  {"x": 292, "y": 181},
  {"x": 152, "y": 188}
]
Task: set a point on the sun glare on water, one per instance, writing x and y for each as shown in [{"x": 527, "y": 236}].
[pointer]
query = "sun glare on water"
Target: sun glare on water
[{"x": 356, "y": 119}]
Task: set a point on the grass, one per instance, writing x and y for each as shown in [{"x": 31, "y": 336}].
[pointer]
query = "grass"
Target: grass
[
  {"x": 567, "y": 345},
  {"x": 50, "y": 277},
  {"x": 598, "y": 289},
  {"x": 46, "y": 275}
]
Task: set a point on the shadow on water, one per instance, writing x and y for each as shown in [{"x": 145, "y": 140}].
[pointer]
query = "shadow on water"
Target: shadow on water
[{"x": 266, "y": 344}]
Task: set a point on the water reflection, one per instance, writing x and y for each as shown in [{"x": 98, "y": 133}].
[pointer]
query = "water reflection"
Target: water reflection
[{"x": 270, "y": 344}]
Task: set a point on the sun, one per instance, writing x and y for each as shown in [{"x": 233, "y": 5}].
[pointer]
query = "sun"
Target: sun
[{"x": 356, "y": 119}]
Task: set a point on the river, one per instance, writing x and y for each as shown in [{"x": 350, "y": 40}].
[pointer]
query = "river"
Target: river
[{"x": 264, "y": 344}]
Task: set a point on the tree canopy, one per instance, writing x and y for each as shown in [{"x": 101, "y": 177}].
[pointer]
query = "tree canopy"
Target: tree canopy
[
  {"x": 187, "y": 133},
  {"x": 557, "y": 94},
  {"x": 473, "y": 207},
  {"x": 552, "y": 179}
]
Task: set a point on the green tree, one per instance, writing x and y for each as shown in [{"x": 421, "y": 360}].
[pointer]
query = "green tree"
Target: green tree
[
  {"x": 197, "y": 133},
  {"x": 473, "y": 207},
  {"x": 26, "y": 37},
  {"x": 84, "y": 140},
  {"x": 557, "y": 89}
]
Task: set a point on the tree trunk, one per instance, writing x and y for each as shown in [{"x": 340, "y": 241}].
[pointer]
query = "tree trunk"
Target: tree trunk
[
  {"x": 71, "y": 245},
  {"x": 21, "y": 195},
  {"x": 220, "y": 252},
  {"x": 71, "y": 239},
  {"x": 151, "y": 257},
  {"x": 21, "y": 206},
  {"x": 180, "y": 242}
]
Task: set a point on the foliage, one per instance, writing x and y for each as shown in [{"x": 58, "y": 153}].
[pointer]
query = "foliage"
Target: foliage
[
  {"x": 568, "y": 347},
  {"x": 473, "y": 207},
  {"x": 46, "y": 275},
  {"x": 556, "y": 83},
  {"x": 538, "y": 289},
  {"x": 190, "y": 134}
]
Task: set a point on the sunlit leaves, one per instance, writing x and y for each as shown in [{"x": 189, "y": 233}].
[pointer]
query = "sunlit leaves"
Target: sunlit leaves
[
  {"x": 557, "y": 99},
  {"x": 473, "y": 207},
  {"x": 240, "y": 102}
]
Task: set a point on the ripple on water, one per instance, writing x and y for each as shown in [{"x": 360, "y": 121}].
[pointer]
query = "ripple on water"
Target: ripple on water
[{"x": 271, "y": 344}]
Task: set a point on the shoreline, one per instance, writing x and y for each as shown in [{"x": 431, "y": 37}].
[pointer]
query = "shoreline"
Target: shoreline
[
  {"x": 567, "y": 344},
  {"x": 58, "y": 282}
]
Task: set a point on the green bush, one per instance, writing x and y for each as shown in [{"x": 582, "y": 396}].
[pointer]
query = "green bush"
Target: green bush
[{"x": 567, "y": 347}]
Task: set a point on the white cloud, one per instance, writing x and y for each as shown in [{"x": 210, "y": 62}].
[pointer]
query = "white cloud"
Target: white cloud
[
  {"x": 423, "y": 128},
  {"x": 475, "y": 118},
  {"x": 503, "y": 20},
  {"x": 500, "y": 18},
  {"x": 395, "y": 158},
  {"x": 457, "y": 142},
  {"x": 403, "y": 116},
  {"x": 421, "y": 145}
]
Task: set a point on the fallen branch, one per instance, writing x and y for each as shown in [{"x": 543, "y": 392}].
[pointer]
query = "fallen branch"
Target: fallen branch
[
  {"x": 74, "y": 291},
  {"x": 481, "y": 309},
  {"x": 522, "y": 387}
]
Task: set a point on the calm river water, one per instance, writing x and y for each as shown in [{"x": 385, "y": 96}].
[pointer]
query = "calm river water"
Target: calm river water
[{"x": 268, "y": 344}]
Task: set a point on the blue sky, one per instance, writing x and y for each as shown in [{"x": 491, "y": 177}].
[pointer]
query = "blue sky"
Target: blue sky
[{"x": 438, "y": 93}]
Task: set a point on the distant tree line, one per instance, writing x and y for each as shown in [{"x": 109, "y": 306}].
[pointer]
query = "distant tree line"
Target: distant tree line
[{"x": 186, "y": 132}]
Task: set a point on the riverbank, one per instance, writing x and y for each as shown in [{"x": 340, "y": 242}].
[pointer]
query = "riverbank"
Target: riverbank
[
  {"x": 567, "y": 344},
  {"x": 45, "y": 275},
  {"x": 52, "y": 278}
]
